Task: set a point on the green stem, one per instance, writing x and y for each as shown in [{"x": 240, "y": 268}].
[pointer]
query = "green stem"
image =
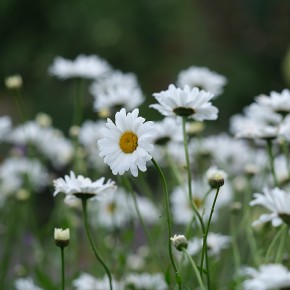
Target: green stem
[
  {"x": 194, "y": 269},
  {"x": 236, "y": 254},
  {"x": 190, "y": 189},
  {"x": 62, "y": 268},
  {"x": 285, "y": 150},
  {"x": 204, "y": 245},
  {"x": 84, "y": 205},
  {"x": 271, "y": 160},
  {"x": 273, "y": 244},
  {"x": 19, "y": 104},
  {"x": 281, "y": 247},
  {"x": 168, "y": 218},
  {"x": 79, "y": 102}
]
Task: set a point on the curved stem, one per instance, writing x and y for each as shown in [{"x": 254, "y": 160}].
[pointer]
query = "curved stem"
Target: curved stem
[
  {"x": 194, "y": 269},
  {"x": 271, "y": 160},
  {"x": 168, "y": 218},
  {"x": 84, "y": 205}
]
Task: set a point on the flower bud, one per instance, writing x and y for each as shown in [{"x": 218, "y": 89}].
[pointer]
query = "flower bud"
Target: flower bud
[
  {"x": 61, "y": 237},
  {"x": 179, "y": 242},
  {"x": 13, "y": 82},
  {"x": 216, "y": 178}
]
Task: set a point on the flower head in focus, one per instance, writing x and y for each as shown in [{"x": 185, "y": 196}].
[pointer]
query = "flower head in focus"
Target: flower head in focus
[
  {"x": 191, "y": 103},
  {"x": 202, "y": 78},
  {"x": 127, "y": 144},
  {"x": 83, "y": 187}
]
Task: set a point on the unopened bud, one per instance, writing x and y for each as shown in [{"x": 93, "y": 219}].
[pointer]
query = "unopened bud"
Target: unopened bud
[
  {"x": 179, "y": 242},
  {"x": 61, "y": 237},
  {"x": 13, "y": 82}
]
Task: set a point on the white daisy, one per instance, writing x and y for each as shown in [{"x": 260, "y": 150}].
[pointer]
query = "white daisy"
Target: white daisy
[
  {"x": 277, "y": 201},
  {"x": 88, "y": 282},
  {"x": 80, "y": 186},
  {"x": 26, "y": 284},
  {"x": 187, "y": 102},
  {"x": 83, "y": 66},
  {"x": 202, "y": 78},
  {"x": 117, "y": 90},
  {"x": 127, "y": 144},
  {"x": 145, "y": 281},
  {"x": 267, "y": 277},
  {"x": 215, "y": 243},
  {"x": 278, "y": 102}
]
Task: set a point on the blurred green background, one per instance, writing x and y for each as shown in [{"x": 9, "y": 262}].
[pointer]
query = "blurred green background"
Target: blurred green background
[{"x": 245, "y": 40}]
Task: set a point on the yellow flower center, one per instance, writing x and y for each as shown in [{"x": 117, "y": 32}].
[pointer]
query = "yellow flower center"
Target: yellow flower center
[
  {"x": 198, "y": 202},
  {"x": 128, "y": 142},
  {"x": 111, "y": 207}
]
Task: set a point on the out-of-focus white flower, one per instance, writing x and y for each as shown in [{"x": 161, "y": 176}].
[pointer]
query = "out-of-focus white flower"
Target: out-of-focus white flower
[
  {"x": 89, "y": 282},
  {"x": 146, "y": 281},
  {"x": 215, "y": 243},
  {"x": 117, "y": 90},
  {"x": 192, "y": 103},
  {"x": 5, "y": 127},
  {"x": 17, "y": 173},
  {"x": 202, "y": 78},
  {"x": 277, "y": 201},
  {"x": 118, "y": 209},
  {"x": 13, "y": 82},
  {"x": 266, "y": 277},
  {"x": 181, "y": 208},
  {"x": 43, "y": 120},
  {"x": 49, "y": 141},
  {"x": 90, "y": 67},
  {"x": 78, "y": 186},
  {"x": 26, "y": 284},
  {"x": 277, "y": 102},
  {"x": 127, "y": 145}
]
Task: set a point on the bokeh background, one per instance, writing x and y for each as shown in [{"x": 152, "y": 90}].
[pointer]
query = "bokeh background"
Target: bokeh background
[{"x": 245, "y": 40}]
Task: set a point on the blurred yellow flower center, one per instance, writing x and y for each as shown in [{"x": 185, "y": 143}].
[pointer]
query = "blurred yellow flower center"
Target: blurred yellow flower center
[
  {"x": 128, "y": 142},
  {"x": 111, "y": 207},
  {"x": 198, "y": 202}
]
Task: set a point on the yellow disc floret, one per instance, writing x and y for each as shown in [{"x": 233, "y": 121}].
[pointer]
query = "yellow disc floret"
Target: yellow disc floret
[{"x": 128, "y": 142}]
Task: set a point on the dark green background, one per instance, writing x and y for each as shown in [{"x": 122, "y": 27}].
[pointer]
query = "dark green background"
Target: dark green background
[{"x": 244, "y": 40}]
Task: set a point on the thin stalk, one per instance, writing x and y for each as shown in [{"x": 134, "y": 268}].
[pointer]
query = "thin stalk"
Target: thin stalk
[
  {"x": 281, "y": 247},
  {"x": 19, "y": 104},
  {"x": 190, "y": 189},
  {"x": 271, "y": 160},
  {"x": 79, "y": 102},
  {"x": 273, "y": 244},
  {"x": 62, "y": 268},
  {"x": 285, "y": 150},
  {"x": 178, "y": 278},
  {"x": 204, "y": 245},
  {"x": 194, "y": 269},
  {"x": 235, "y": 248},
  {"x": 85, "y": 216}
]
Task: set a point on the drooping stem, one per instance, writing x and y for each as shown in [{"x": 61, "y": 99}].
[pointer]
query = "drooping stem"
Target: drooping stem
[
  {"x": 169, "y": 223},
  {"x": 271, "y": 160},
  {"x": 193, "y": 264},
  {"x": 84, "y": 206}
]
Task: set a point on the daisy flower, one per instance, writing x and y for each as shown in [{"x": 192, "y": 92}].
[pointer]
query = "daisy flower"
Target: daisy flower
[
  {"x": 117, "y": 90},
  {"x": 127, "y": 144},
  {"x": 186, "y": 102},
  {"x": 267, "y": 277},
  {"x": 202, "y": 78},
  {"x": 80, "y": 186},
  {"x": 83, "y": 66},
  {"x": 275, "y": 200},
  {"x": 5, "y": 127}
]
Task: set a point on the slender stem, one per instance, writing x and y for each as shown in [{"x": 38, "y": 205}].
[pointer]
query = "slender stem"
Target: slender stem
[
  {"x": 285, "y": 150},
  {"x": 19, "y": 104},
  {"x": 281, "y": 247},
  {"x": 62, "y": 268},
  {"x": 236, "y": 253},
  {"x": 204, "y": 245},
  {"x": 273, "y": 244},
  {"x": 79, "y": 102},
  {"x": 168, "y": 218},
  {"x": 271, "y": 160},
  {"x": 193, "y": 264},
  {"x": 190, "y": 189},
  {"x": 84, "y": 205}
]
